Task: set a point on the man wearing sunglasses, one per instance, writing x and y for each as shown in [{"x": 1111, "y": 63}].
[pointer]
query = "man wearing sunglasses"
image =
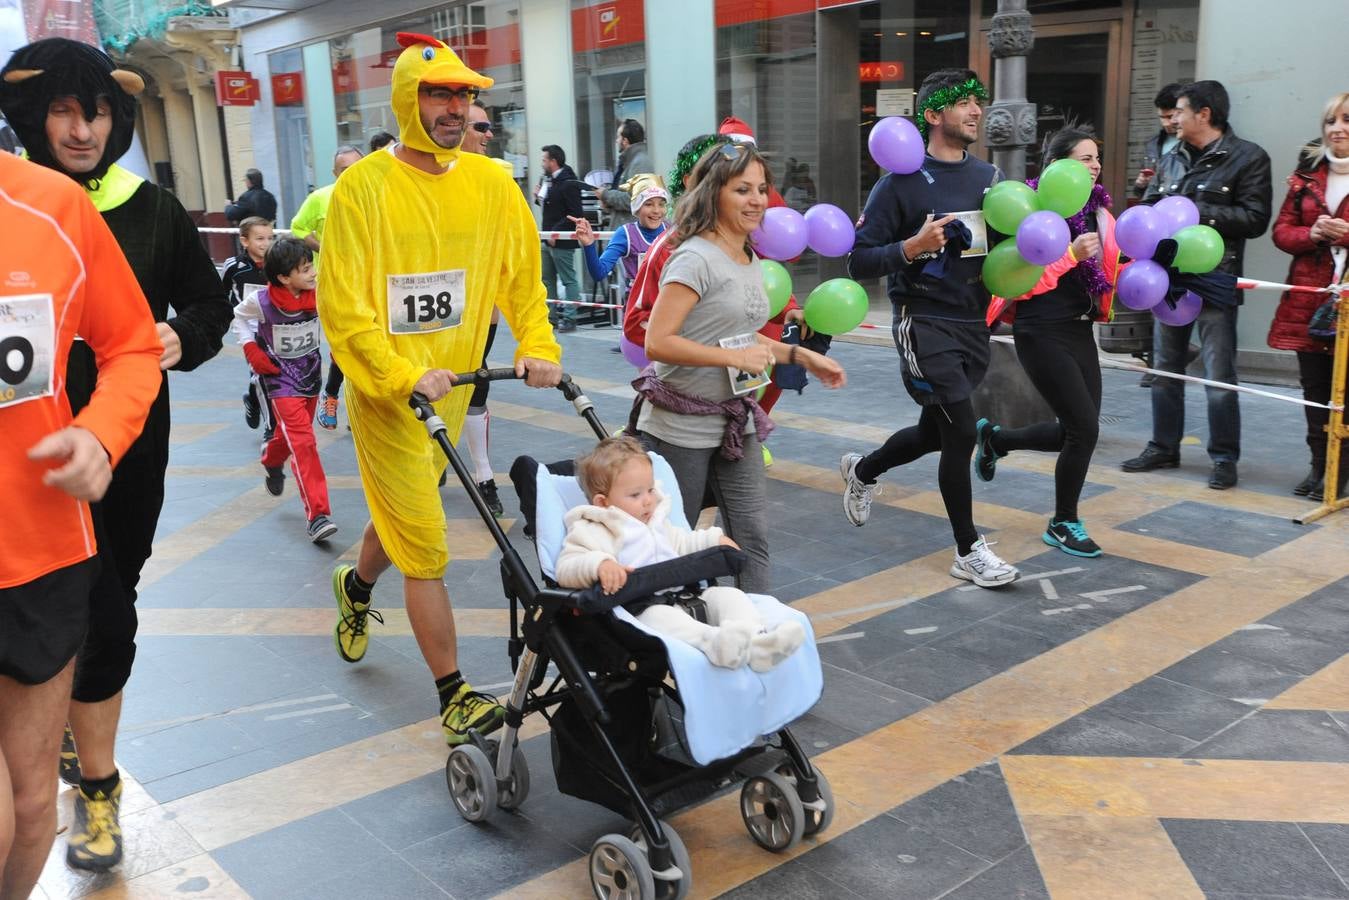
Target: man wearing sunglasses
[
  {"x": 420, "y": 245},
  {"x": 479, "y": 130}
]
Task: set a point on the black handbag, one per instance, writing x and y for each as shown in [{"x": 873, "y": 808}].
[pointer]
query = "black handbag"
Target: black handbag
[{"x": 1325, "y": 320}]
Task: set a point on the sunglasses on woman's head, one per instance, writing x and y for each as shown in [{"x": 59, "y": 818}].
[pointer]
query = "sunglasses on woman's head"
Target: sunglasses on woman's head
[
  {"x": 732, "y": 151},
  {"x": 481, "y": 127}
]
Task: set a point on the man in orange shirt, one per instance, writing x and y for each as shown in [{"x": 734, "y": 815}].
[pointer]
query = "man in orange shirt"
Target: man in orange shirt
[{"x": 51, "y": 466}]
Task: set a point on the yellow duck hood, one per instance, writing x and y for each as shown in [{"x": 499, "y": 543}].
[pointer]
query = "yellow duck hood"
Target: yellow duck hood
[{"x": 430, "y": 60}]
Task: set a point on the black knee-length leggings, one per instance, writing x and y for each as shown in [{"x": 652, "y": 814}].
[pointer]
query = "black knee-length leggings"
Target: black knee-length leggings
[
  {"x": 949, "y": 428},
  {"x": 1060, "y": 359}
]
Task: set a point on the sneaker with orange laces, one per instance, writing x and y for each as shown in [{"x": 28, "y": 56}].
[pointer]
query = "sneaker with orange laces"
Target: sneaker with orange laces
[{"x": 327, "y": 416}]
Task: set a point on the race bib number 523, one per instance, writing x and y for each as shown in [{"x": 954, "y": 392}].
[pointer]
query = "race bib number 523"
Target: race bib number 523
[
  {"x": 27, "y": 348},
  {"x": 425, "y": 302}
]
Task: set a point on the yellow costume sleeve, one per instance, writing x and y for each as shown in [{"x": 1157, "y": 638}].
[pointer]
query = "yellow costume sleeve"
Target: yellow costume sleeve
[
  {"x": 349, "y": 299},
  {"x": 522, "y": 294}
]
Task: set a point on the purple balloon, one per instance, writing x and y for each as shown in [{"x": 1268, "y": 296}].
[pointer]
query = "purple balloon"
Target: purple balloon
[
  {"x": 829, "y": 231},
  {"x": 782, "y": 235},
  {"x": 633, "y": 353},
  {"x": 1138, "y": 230},
  {"x": 896, "y": 145},
  {"x": 1186, "y": 311},
  {"x": 1042, "y": 238},
  {"x": 1176, "y": 213},
  {"x": 1142, "y": 284}
]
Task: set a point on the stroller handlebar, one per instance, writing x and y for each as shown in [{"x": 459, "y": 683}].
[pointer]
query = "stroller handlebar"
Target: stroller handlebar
[{"x": 422, "y": 406}]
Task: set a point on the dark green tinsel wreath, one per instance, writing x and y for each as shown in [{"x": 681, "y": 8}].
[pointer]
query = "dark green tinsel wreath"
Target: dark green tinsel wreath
[
  {"x": 939, "y": 100},
  {"x": 674, "y": 184}
]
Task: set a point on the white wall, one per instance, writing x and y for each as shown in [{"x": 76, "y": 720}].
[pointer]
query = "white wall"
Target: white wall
[
  {"x": 550, "y": 96},
  {"x": 1279, "y": 64},
  {"x": 681, "y": 75}
]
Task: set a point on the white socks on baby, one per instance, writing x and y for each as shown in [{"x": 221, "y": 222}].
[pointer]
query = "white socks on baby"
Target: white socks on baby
[{"x": 737, "y": 643}]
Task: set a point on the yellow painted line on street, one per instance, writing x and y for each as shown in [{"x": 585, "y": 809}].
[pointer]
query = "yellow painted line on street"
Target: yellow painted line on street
[
  {"x": 207, "y": 532},
  {"x": 1166, "y": 788},
  {"x": 1093, "y": 822},
  {"x": 197, "y": 876},
  {"x": 1087, "y": 858},
  {"x": 1327, "y": 689},
  {"x": 270, "y": 799},
  {"x": 304, "y": 622},
  {"x": 181, "y": 433},
  {"x": 936, "y": 744}
]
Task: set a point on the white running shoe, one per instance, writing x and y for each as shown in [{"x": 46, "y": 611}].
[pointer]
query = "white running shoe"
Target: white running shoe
[
  {"x": 857, "y": 494},
  {"x": 984, "y": 567}
]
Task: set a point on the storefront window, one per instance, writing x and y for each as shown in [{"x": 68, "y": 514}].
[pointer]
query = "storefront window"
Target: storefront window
[
  {"x": 1164, "y": 53},
  {"x": 292, "y": 129},
  {"x": 324, "y": 100},
  {"x": 609, "y": 47},
  {"x": 766, "y": 76},
  {"x": 901, "y": 41}
]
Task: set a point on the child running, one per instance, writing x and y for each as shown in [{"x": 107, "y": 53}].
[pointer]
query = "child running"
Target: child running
[
  {"x": 279, "y": 330},
  {"x": 628, "y": 526},
  {"x": 631, "y": 242},
  {"x": 243, "y": 277}
]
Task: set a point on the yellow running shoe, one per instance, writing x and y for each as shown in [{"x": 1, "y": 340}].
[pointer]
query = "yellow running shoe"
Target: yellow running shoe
[
  {"x": 470, "y": 709},
  {"x": 95, "y": 841},
  {"x": 349, "y": 632},
  {"x": 70, "y": 760}
]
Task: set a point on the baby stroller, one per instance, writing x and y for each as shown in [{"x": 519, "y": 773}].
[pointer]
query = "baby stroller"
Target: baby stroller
[{"x": 622, "y": 734}]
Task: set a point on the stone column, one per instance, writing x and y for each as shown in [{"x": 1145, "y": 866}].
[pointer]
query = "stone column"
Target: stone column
[{"x": 1009, "y": 123}]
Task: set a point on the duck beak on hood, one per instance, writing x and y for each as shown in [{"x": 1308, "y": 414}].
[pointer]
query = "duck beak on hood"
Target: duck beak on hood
[{"x": 426, "y": 59}]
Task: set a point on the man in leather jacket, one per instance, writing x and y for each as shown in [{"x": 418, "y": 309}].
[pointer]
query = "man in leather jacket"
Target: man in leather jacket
[{"x": 1229, "y": 180}]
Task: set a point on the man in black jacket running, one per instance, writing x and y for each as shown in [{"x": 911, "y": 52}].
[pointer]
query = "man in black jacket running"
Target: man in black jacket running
[{"x": 939, "y": 303}]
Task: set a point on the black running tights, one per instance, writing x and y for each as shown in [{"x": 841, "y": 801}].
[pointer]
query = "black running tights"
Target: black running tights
[
  {"x": 1061, "y": 361},
  {"x": 948, "y": 428}
]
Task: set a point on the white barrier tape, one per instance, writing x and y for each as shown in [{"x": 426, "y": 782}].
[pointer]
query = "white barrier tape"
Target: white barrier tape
[
  {"x": 1240, "y": 388},
  {"x": 571, "y": 235},
  {"x": 583, "y": 303},
  {"x": 235, "y": 231},
  {"x": 543, "y": 235}
]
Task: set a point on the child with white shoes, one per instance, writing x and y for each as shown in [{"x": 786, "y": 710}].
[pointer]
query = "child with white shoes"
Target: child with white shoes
[{"x": 628, "y": 526}]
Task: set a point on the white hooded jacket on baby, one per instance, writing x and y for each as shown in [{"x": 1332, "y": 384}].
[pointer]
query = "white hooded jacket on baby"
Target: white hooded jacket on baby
[
  {"x": 597, "y": 533},
  {"x": 733, "y": 635}
]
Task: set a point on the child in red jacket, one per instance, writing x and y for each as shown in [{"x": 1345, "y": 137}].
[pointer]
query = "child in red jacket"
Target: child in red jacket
[{"x": 284, "y": 351}]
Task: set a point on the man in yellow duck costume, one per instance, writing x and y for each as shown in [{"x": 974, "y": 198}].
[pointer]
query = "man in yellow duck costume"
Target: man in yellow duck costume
[{"x": 421, "y": 243}]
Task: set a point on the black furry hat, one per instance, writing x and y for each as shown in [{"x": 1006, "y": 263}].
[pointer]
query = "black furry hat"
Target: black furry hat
[{"x": 57, "y": 67}]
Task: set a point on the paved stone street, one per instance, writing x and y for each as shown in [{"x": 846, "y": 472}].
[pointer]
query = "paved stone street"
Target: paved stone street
[{"x": 1170, "y": 720}]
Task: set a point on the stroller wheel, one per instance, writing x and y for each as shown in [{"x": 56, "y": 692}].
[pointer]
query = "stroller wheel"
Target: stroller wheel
[
  {"x": 772, "y": 812},
  {"x": 619, "y": 871},
  {"x": 514, "y": 792},
  {"x": 472, "y": 783},
  {"x": 669, "y": 888},
  {"x": 821, "y": 813}
]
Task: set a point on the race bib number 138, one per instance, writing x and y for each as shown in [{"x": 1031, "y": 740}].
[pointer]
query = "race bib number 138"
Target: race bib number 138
[{"x": 425, "y": 302}]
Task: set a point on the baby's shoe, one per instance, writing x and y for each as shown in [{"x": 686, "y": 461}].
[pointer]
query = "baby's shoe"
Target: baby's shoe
[
  {"x": 769, "y": 648},
  {"x": 730, "y": 647}
]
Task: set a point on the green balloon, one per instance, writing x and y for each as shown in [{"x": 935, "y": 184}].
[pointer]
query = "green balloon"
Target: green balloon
[
  {"x": 1007, "y": 203},
  {"x": 1199, "y": 249},
  {"x": 1007, "y": 274},
  {"x": 837, "y": 306},
  {"x": 778, "y": 284},
  {"x": 1065, "y": 186}
]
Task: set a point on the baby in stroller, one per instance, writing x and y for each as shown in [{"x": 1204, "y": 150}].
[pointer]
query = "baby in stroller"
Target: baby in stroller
[{"x": 627, "y": 525}]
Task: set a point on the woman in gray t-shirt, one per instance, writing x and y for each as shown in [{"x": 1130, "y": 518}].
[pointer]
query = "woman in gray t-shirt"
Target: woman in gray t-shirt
[{"x": 710, "y": 360}]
